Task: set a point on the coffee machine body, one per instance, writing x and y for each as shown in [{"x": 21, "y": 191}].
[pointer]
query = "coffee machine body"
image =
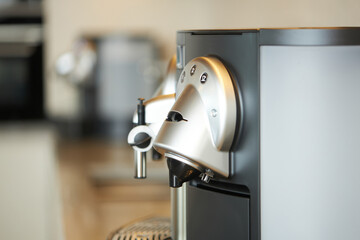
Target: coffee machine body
[{"x": 294, "y": 160}]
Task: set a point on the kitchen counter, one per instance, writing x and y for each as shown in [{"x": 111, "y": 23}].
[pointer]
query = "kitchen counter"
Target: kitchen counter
[{"x": 99, "y": 193}]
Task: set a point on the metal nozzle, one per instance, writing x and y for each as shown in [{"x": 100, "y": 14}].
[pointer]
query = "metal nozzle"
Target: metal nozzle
[
  {"x": 140, "y": 140},
  {"x": 180, "y": 170},
  {"x": 140, "y": 164}
]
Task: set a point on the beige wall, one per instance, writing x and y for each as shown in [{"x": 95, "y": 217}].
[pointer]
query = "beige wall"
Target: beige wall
[{"x": 67, "y": 19}]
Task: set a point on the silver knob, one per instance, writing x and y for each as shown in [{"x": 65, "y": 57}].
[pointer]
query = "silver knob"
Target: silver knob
[{"x": 207, "y": 176}]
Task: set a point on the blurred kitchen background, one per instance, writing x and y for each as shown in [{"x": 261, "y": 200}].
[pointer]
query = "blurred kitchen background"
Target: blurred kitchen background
[{"x": 70, "y": 75}]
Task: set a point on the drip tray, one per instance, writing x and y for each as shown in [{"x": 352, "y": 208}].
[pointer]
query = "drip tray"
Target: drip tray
[{"x": 149, "y": 229}]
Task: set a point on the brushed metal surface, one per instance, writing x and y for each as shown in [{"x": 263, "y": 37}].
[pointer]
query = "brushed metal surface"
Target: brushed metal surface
[
  {"x": 217, "y": 93},
  {"x": 203, "y": 137}
]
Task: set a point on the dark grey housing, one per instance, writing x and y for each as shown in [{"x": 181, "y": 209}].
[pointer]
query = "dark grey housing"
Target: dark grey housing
[{"x": 232, "y": 208}]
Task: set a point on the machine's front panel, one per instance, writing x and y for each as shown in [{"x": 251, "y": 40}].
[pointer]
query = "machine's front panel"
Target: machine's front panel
[
  {"x": 238, "y": 51},
  {"x": 227, "y": 218},
  {"x": 310, "y": 134}
]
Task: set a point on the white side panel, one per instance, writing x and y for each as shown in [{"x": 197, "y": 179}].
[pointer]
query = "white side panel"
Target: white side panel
[
  {"x": 30, "y": 205},
  {"x": 310, "y": 143}
]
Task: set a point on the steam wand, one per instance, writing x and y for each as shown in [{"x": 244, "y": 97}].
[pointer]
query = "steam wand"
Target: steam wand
[
  {"x": 140, "y": 138},
  {"x": 140, "y": 157}
]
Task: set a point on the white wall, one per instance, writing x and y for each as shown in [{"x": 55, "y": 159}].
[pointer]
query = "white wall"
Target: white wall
[{"x": 67, "y": 19}]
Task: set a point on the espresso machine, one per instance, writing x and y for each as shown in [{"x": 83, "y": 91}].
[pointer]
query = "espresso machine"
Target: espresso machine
[{"x": 261, "y": 135}]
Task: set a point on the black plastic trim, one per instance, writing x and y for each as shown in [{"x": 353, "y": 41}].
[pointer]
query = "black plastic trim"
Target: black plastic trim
[
  {"x": 294, "y": 36},
  {"x": 219, "y": 31},
  {"x": 310, "y": 36},
  {"x": 224, "y": 188}
]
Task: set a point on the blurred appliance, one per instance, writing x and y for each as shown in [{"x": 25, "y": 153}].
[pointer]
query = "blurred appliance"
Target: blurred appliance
[
  {"x": 21, "y": 12},
  {"x": 21, "y": 72},
  {"x": 262, "y": 140},
  {"x": 109, "y": 73}
]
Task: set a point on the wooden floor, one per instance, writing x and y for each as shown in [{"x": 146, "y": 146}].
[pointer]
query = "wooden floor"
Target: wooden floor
[{"x": 94, "y": 206}]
